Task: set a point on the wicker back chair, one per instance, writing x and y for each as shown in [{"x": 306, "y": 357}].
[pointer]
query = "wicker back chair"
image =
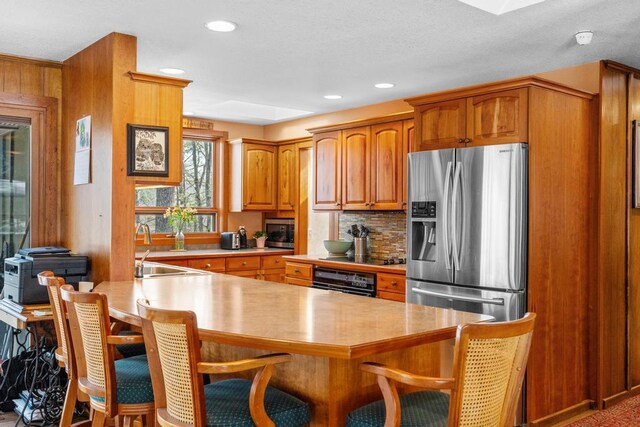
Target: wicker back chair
[
  {"x": 116, "y": 388},
  {"x": 64, "y": 353},
  {"x": 488, "y": 370},
  {"x": 173, "y": 346}
]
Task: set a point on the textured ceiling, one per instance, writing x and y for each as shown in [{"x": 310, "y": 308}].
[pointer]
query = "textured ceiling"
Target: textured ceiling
[{"x": 289, "y": 53}]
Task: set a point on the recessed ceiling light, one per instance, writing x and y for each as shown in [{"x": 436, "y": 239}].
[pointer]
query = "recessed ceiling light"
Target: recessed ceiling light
[
  {"x": 170, "y": 70},
  {"x": 187, "y": 113},
  {"x": 221, "y": 26},
  {"x": 584, "y": 37},
  {"x": 498, "y": 7},
  {"x": 384, "y": 85},
  {"x": 333, "y": 97}
]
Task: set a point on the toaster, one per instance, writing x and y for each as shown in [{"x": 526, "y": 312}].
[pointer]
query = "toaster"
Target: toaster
[{"x": 230, "y": 240}]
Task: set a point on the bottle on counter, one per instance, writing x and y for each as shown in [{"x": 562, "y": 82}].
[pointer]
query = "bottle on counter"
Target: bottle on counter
[{"x": 243, "y": 237}]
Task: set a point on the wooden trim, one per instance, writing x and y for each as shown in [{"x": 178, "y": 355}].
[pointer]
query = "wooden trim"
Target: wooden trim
[
  {"x": 195, "y": 133},
  {"x": 300, "y": 141},
  {"x": 622, "y": 67},
  {"x": 563, "y": 415},
  {"x": 500, "y": 86},
  {"x": 365, "y": 122},
  {"x": 608, "y": 402},
  {"x": 43, "y": 114},
  {"x": 252, "y": 141},
  {"x": 163, "y": 80},
  {"x": 33, "y": 61}
]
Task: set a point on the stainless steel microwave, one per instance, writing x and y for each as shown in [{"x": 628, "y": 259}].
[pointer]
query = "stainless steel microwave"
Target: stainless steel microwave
[{"x": 280, "y": 232}]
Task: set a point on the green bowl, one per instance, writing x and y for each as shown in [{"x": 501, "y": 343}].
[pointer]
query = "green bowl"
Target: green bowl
[{"x": 337, "y": 247}]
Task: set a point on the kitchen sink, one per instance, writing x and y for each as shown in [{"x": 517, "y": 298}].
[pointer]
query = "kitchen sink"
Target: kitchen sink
[{"x": 160, "y": 270}]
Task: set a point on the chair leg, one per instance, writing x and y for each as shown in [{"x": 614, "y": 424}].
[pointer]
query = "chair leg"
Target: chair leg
[
  {"x": 69, "y": 403},
  {"x": 99, "y": 419},
  {"x": 124, "y": 421},
  {"x": 149, "y": 419}
]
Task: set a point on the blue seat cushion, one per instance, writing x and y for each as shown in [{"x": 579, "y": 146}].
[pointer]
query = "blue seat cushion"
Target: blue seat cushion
[
  {"x": 420, "y": 409},
  {"x": 130, "y": 350},
  {"x": 133, "y": 381},
  {"x": 227, "y": 404}
]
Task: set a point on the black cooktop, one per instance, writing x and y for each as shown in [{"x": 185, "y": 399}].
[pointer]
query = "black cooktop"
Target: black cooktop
[{"x": 368, "y": 261}]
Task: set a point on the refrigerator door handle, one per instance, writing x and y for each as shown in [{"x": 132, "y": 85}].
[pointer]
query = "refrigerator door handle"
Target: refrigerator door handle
[
  {"x": 454, "y": 214},
  {"x": 493, "y": 301},
  {"x": 445, "y": 216}
]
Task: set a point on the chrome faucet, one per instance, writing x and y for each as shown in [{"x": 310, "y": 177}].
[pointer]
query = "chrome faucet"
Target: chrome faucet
[{"x": 147, "y": 232}]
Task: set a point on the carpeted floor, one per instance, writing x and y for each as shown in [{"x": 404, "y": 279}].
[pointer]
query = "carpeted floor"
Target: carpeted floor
[{"x": 624, "y": 414}]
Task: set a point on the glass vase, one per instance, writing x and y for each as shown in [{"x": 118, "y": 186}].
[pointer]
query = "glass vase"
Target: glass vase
[{"x": 179, "y": 244}]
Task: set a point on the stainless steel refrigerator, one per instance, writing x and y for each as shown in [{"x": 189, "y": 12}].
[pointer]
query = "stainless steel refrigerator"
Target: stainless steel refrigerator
[{"x": 467, "y": 229}]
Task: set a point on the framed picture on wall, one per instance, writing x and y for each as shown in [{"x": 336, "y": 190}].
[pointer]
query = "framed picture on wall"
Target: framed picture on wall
[
  {"x": 636, "y": 163},
  {"x": 147, "y": 150}
]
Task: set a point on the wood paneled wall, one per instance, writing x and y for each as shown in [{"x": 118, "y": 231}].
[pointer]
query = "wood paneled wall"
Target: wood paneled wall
[
  {"x": 98, "y": 218},
  {"x": 634, "y": 252},
  {"x": 612, "y": 275}
]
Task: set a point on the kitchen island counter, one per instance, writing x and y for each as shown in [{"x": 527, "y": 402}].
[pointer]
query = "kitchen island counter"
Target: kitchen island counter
[{"x": 328, "y": 333}]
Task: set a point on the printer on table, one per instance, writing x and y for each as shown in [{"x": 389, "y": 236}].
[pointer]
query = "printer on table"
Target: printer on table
[{"x": 21, "y": 272}]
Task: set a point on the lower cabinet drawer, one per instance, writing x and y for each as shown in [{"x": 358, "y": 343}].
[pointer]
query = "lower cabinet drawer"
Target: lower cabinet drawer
[
  {"x": 208, "y": 264},
  {"x": 299, "y": 270},
  {"x": 243, "y": 263},
  {"x": 391, "y": 283},
  {"x": 272, "y": 261},
  {"x": 392, "y": 296},
  {"x": 250, "y": 274},
  {"x": 297, "y": 282}
]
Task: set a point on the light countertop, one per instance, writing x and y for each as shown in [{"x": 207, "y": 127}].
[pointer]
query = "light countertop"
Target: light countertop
[
  {"x": 321, "y": 260},
  {"x": 213, "y": 253}
]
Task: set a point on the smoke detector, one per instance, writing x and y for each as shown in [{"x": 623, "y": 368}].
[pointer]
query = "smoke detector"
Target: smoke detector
[{"x": 584, "y": 37}]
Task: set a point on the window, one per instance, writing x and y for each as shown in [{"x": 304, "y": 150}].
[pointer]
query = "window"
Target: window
[{"x": 198, "y": 189}]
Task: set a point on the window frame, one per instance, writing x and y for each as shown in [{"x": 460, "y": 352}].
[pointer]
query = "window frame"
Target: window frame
[{"x": 217, "y": 138}]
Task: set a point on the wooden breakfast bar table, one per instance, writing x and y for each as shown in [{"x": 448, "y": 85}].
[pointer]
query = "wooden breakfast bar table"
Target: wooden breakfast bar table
[{"x": 328, "y": 333}]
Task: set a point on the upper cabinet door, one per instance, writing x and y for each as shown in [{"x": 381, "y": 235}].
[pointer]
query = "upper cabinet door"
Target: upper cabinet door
[
  {"x": 355, "y": 169},
  {"x": 327, "y": 169},
  {"x": 497, "y": 118},
  {"x": 440, "y": 125},
  {"x": 408, "y": 140},
  {"x": 259, "y": 177},
  {"x": 287, "y": 177},
  {"x": 386, "y": 166}
]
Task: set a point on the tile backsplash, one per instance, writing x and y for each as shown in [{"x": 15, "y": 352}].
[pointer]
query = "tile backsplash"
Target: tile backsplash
[{"x": 388, "y": 232}]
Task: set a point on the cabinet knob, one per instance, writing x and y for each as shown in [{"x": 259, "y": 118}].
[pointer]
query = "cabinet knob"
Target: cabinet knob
[
  {"x": 244, "y": 262},
  {"x": 467, "y": 140},
  {"x": 277, "y": 261},
  {"x": 394, "y": 283},
  {"x": 296, "y": 271},
  {"x": 338, "y": 204},
  {"x": 207, "y": 266},
  {"x": 461, "y": 141}
]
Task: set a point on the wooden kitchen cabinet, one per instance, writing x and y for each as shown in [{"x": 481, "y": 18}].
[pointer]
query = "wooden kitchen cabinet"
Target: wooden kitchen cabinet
[
  {"x": 356, "y": 161},
  {"x": 386, "y": 176},
  {"x": 253, "y": 180},
  {"x": 327, "y": 170},
  {"x": 440, "y": 125},
  {"x": 287, "y": 168},
  {"x": 216, "y": 265},
  {"x": 497, "y": 118},
  {"x": 361, "y": 165},
  {"x": 483, "y": 119},
  {"x": 243, "y": 263},
  {"x": 391, "y": 286}
]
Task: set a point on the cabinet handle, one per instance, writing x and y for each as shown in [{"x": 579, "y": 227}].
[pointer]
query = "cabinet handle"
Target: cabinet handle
[
  {"x": 467, "y": 140},
  {"x": 244, "y": 263},
  {"x": 338, "y": 204},
  {"x": 394, "y": 283},
  {"x": 297, "y": 271},
  {"x": 207, "y": 266},
  {"x": 277, "y": 261},
  {"x": 462, "y": 141}
]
